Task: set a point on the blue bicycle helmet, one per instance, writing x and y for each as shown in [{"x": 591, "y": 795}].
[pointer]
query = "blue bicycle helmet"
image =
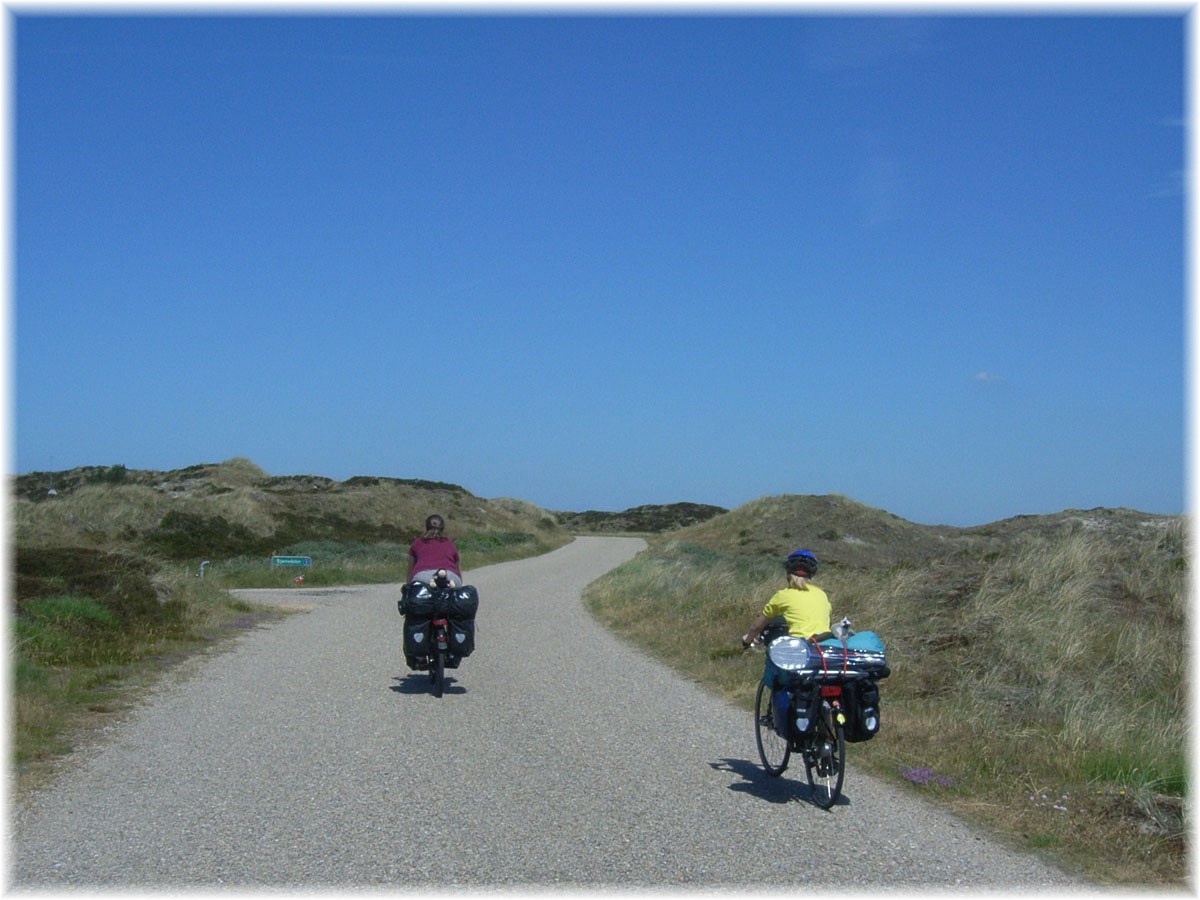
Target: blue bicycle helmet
[{"x": 801, "y": 562}]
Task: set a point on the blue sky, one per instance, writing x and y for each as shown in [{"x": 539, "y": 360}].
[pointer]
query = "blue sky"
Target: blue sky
[{"x": 932, "y": 262}]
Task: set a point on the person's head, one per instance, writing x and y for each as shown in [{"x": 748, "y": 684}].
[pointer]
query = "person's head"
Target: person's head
[
  {"x": 801, "y": 565},
  {"x": 435, "y": 527}
]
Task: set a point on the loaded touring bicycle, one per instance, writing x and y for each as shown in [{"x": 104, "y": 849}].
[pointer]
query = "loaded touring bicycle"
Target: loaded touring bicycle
[
  {"x": 439, "y": 626},
  {"x": 817, "y": 695}
]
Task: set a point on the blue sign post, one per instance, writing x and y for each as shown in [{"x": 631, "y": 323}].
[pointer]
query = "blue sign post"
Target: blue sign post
[{"x": 291, "y": 561}]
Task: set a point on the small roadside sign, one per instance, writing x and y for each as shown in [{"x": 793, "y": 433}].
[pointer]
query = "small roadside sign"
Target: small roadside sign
[{"x": 291, "y": 561}]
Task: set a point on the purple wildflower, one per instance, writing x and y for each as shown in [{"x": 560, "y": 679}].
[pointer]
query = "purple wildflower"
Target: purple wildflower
[{"x": 926, "y": 776}]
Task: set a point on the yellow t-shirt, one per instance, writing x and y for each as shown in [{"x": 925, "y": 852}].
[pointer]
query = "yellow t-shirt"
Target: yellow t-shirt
[{"x": 807, "y": 612}]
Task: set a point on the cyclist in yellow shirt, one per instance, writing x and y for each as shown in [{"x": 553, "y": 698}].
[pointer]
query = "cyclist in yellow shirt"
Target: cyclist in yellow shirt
[{"x": 803, "y": 606}]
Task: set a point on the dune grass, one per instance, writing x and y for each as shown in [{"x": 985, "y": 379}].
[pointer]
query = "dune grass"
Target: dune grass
[{"x": 1040, "y": 692}]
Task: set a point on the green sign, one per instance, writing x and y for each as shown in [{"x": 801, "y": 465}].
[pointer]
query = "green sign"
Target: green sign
[{"x": 291, "y": 560}]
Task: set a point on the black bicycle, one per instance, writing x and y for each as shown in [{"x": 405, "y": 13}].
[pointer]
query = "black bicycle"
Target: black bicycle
[
  {"x": 439, "y": 626},
  {"x": 824, "y": 697}
]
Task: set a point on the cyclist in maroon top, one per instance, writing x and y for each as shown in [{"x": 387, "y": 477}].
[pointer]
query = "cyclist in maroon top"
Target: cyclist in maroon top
[{"x": 433, "y": 551}]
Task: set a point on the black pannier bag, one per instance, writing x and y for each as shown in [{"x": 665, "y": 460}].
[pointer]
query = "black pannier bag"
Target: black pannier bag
[
  {"x": 804, "y": 709},
  {"x": 461, "y": 633},
  {"x": 861, "y": 699},
  {"x": 423, "y": 602},
  {"x": 464, "y": 603},
  {"x": 460, "y": 615},
  {"x": 417, "y": 601},
  {"x": 417, "y": 633}
]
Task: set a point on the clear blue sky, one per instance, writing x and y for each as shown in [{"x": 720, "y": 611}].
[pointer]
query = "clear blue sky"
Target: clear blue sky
[{"x": 933, "y": 263}]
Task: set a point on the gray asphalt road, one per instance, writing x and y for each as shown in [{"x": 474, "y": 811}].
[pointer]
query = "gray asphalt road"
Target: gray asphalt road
[{"x": 307, "y": 757}]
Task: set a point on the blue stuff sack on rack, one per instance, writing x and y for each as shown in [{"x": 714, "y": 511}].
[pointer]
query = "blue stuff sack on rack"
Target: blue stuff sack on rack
[
  {"x": 862, "y": 652},
  {"x": 867, "y": 641}
]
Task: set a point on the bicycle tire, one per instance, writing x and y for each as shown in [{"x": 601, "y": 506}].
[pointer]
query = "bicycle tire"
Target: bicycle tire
[
  {"x": 825, "y": 760},
  {"x": 773, "y": 749},
  {"x": 438, "y": 672}
]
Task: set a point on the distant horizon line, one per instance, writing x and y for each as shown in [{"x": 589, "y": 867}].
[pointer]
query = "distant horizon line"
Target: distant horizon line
[{"x": 247, "y": 460}]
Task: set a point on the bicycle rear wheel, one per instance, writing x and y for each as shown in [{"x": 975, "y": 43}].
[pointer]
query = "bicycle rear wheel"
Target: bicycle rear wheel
[
  {"x": 773, "y": 748},
  {"x": 437, "y": 671},
  {"x": 825, "y": 760}
]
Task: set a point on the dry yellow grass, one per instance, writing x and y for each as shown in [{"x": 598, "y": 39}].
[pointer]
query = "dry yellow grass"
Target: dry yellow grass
[{"x": 1038, "y": 688}]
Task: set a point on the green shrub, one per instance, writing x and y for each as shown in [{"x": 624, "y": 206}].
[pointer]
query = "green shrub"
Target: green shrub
[
  {"x": 113, "y": 475},
  {"x": 122, "y": 583},
  {"x": 182, "y": 535}
]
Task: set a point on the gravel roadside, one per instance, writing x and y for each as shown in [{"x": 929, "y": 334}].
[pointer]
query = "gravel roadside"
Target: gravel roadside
[{"x": 308, "y": 757}]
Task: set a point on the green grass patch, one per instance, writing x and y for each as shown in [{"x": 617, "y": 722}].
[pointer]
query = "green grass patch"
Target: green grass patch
[
  {"x": 1163, "y": 771},
  {"x": 68, "y": 610},
  {"x": 337, "y": 562}
]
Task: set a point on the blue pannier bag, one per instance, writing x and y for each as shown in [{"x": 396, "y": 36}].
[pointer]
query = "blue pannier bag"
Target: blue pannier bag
[{"x": 780, "y": 700}]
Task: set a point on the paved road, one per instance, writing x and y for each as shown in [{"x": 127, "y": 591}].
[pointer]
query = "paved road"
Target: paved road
[{"x": 306, "y": 757}]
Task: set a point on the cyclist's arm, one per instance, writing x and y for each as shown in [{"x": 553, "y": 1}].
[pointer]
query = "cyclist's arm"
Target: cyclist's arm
[{"x": 756, "y": 628}]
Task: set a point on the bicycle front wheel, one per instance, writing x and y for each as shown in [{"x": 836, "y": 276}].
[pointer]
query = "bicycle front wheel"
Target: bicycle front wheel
[
  {"x": 825, "y": 760},
  {"x": 773, "y": 748}
]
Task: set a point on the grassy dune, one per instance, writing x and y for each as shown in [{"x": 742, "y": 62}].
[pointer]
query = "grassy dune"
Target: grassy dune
[
  {"x": 1039, "y": 667},
  {"x": 231, "y": 509}
]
